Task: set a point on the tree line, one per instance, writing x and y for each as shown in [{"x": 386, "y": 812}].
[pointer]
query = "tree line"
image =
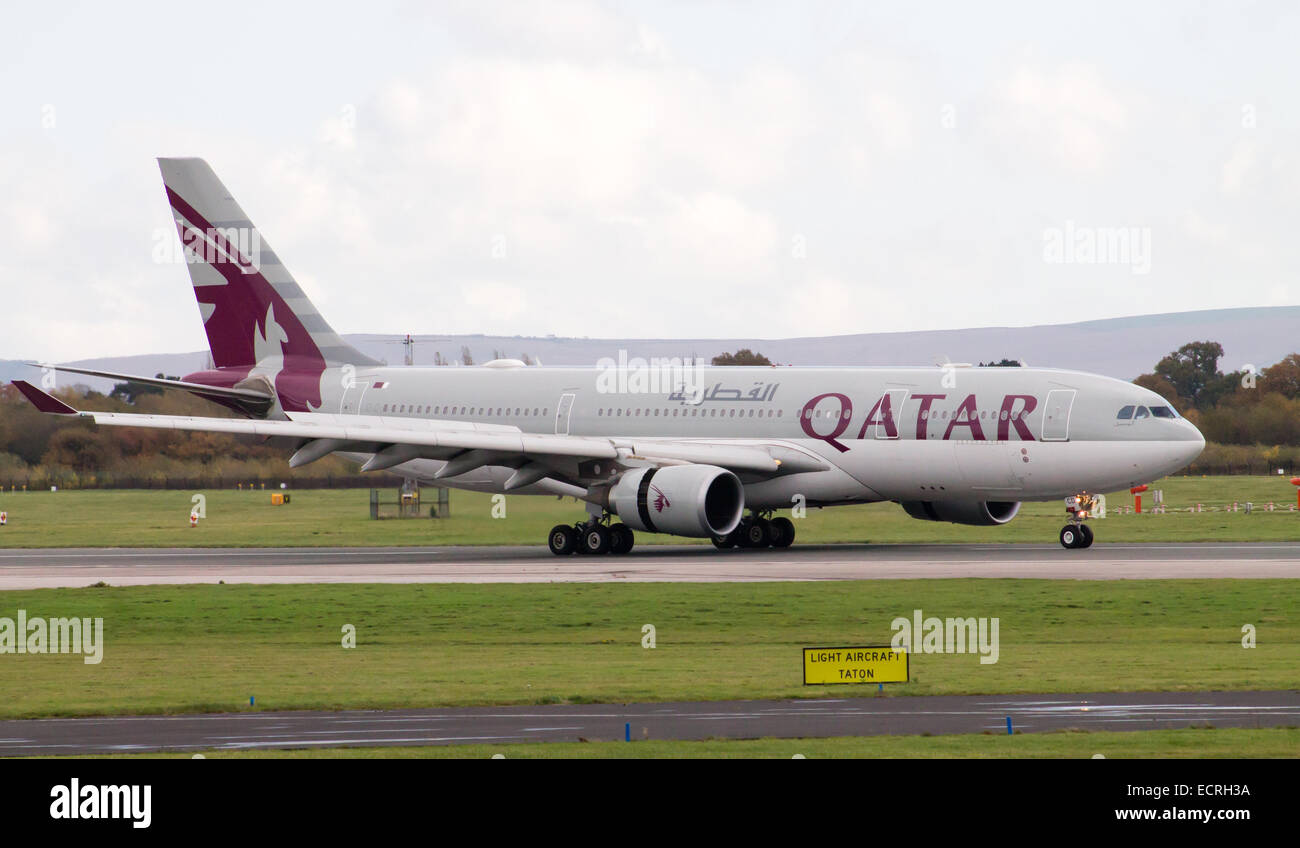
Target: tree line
[
  {"x": 40, "y": 450},
  {"x": 1245, "y": 407}
]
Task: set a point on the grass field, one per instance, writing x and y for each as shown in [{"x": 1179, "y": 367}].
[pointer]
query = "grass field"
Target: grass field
[
  {"x": 1198, "y": 743},
  {"x": 209, "y": 648},
  {"x": 143, "y": 518}
]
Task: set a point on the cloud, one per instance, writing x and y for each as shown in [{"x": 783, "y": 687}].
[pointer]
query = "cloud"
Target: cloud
[
  {"x": 1068, "y": 113},
  {"x": 505, "y": 302},
  {"x": 836, "y": 306},
  {"x": 585, "y": 168},
  {"x": 1238, "y": 166}
]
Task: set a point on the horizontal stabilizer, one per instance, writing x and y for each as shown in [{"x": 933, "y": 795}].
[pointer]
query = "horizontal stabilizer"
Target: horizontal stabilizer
[{"x": 250, "y": 401}]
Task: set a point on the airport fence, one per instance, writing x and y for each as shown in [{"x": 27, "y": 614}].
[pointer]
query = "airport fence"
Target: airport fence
[
  {"x": 74, "y": 481},
  {"x": 1243, "y": 468}
]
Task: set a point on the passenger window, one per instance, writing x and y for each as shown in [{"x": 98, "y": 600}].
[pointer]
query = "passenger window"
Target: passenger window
[
  {"x": 1125, "y": 413},
  {"x": 1141, "y": 413}
]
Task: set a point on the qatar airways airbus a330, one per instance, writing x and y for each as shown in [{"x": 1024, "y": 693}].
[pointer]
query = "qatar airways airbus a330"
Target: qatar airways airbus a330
[{"x": 693, "y": 451}]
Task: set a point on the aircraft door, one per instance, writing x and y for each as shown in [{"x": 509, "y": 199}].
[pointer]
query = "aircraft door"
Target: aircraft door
[
  {"x": 1056, "y": 415},
  {"x": 352, "y": 395},
  {"x": 562, "y": 410}
]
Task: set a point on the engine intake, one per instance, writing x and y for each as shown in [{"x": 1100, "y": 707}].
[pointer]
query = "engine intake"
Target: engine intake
[
  {"x": 978, "y": 513},
  {"x": 685, "y": 500}
]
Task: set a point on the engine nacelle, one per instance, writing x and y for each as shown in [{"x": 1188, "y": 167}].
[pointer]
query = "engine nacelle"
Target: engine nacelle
[
  {"x": 978, "y": 513},
  {"x": 686, "y": 500}
]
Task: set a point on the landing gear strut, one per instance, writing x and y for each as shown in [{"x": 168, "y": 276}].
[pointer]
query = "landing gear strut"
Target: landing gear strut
[
  {"x": 758, "y": 531},
  {"x": 1076, "y": 534},
  {"x": 596, "y": 536}
]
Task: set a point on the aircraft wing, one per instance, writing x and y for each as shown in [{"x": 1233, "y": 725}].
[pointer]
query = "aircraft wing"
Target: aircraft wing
[{"x": 466, "y": 445}]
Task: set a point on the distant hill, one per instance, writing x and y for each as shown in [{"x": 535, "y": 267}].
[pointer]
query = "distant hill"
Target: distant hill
[
  {"x": 1117, "y": 347},
  {"x": 12, "y": 369}
]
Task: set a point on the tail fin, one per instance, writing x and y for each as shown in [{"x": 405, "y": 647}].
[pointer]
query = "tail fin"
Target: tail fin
[{"x": 253, "y": 310}]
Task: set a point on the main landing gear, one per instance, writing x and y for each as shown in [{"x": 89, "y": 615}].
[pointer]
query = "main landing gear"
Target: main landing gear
[
  {"x": 758, "y": 531},
  {"x": 594, "y": 537},
  {"x": 1076, "y": 534}
]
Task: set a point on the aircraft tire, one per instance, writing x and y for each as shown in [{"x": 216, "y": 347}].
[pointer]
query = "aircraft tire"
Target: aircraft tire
[
  {"x": 563, "y": 540},
  {"x": 622, "y": 539},
  {"x": 595, "y": 539},
  {"x": 782, "y": 532}
]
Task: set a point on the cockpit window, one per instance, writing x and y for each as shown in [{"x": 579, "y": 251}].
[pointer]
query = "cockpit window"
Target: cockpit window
[
  {"x": 1163, "y": 412},
  {"x": 1125, "y": 413},
  {"x": 1142, "y": 412}
]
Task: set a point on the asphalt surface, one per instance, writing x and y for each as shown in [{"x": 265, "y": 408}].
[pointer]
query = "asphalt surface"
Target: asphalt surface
[
  {"x": 48, "y": 568},
  {"x": 869, "y": 716}
]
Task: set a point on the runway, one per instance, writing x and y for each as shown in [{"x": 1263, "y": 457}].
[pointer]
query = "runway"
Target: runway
[
  {"x": 63, "y": 567},
  {"x": 869, "y": 716}
]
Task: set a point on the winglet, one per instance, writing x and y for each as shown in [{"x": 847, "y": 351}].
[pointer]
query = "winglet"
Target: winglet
[{"x": 42, "y": 401}]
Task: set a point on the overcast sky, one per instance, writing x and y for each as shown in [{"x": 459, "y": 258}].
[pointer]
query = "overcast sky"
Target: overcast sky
[{"x": 653, "y": 169}]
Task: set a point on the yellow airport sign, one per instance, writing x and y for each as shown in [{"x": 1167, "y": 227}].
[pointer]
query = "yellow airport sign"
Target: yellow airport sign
[{"x": 868, "y": 664}]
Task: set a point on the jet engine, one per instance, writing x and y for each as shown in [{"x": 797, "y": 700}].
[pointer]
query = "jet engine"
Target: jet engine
[
  {"x": 978, "y": 513},
  {"x": 686, "y": 500}
]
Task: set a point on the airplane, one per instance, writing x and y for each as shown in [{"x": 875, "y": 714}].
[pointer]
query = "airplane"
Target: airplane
[{"x": 676, "y": 447}]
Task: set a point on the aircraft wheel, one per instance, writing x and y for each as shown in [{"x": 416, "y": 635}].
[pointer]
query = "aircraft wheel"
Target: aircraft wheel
[
  {"x": 752, "y": 533},
  {"x": 596, "y": 539},
  {"x": 563, "y": 540},
  {"x": 1086, "y": 532},
  {"x": 622, "y": 539},
  {"x": 1071, "y": 537},
  {"x": 781, "y": 532}
]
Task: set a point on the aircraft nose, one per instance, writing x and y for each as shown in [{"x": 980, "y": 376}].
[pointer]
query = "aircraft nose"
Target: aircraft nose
[{"x": 1194, "y": 439}]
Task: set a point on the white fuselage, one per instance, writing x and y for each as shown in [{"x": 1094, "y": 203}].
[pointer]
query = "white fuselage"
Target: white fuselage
[{"x": 906, "y": 434}]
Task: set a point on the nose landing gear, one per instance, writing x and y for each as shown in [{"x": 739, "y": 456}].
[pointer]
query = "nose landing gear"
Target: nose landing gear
[{"x": 1076, "y": 534}]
